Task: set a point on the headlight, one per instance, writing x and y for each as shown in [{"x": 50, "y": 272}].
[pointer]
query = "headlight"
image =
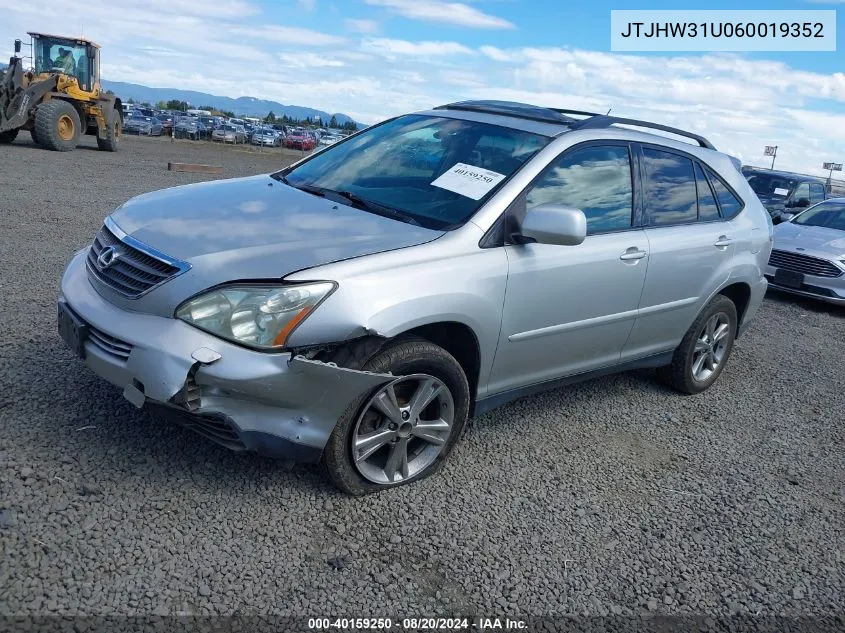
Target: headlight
[{"x": 261, "y": 316}]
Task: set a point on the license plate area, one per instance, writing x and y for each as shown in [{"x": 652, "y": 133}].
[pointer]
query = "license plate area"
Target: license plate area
[
  {"x": 72, "y": 329},
  {"x": 789, "y": 278}
]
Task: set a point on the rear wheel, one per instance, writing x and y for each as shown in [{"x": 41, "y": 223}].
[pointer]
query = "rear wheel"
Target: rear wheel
[
  {"x": 8, "y": 136},
  {"x": 704, "y": 351},
  {"x": 57, "y": 125},
  {"x": 403, "y": 431},
  {"x": 112, "y": 139}
]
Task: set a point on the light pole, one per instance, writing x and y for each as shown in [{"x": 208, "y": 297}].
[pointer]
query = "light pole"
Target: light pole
[{"x": 831, "y": 167}]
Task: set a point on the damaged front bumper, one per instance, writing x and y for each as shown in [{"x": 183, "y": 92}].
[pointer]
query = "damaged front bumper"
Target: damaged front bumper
[{"x": 272, "y": 403}]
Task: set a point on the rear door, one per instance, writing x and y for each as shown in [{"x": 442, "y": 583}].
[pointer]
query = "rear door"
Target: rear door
[{"x": 690, "y": 246}]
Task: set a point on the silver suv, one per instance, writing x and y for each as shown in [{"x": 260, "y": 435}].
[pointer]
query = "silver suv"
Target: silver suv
[{"x": 357, "y": 307}]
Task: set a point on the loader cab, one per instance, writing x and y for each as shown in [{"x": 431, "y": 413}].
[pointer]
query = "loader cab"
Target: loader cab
[{"x": 50, "y": 55}]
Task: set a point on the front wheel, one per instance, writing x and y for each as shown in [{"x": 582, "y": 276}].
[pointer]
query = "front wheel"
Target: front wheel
[
  {"x": 704, "y": 351},
  {"x": 57, "y": 125},
  {"x": 403, "y": 431}
]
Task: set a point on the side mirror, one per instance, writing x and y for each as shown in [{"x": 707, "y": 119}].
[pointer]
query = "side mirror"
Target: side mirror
[
  {"x": 784, "y": 217},
  {"x": 17, "y": 46},
  {"x": 554, "y": 224},
  {"x": 800, "y": 203}
]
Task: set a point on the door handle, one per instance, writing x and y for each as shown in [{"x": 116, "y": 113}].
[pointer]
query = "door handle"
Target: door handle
[
  {"x": 632, "y": 253},
  {"x": 723, "y": 242}
]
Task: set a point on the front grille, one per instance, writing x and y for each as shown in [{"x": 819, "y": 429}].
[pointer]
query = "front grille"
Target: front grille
[
  {"x": 111, "y": 345},
  {"x": 803, "y": 264},
  {"x": 213, "y": 426},
  {"x": 133, "y": 272}
]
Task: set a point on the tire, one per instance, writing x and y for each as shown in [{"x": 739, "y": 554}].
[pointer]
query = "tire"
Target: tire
[
  {"x": 57, "y": 125},
  {"x": 8, "y": 136},
  {"x": 34, "y": 135},
  {"x": 404, "y": 358},
  {"x": 112, "y": 140},
  {"x": 680, "y": 374}
]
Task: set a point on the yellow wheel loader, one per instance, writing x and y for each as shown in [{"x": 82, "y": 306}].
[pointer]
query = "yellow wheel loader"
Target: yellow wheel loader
[{"x": 60, "y": 97}]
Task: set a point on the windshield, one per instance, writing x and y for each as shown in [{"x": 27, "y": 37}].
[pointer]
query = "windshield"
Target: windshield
[
  {"x": 434, "y": 171},
  {"x": 60, "y": 55},
  {"x": 770, "y": 184},
  {"x": 830, "y": 214}
]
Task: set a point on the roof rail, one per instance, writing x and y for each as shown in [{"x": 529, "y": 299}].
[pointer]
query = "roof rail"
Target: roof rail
[
  {"x": 602, "y": 121},
  {"x": 512, "y": 109},
  {"x": 581, "y": 112}
]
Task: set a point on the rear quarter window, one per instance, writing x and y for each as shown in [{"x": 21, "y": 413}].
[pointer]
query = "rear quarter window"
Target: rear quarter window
[{"x": 729, "y": 204}]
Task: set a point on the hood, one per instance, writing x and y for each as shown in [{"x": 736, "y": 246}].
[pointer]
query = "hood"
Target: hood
[
  {"x": 812, "y": 239},
  {"x": 257, "y": 227}
]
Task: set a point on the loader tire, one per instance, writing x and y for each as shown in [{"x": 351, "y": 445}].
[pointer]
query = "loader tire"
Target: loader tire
[
  {"x": 57, "y": 125},
  {"x": 112, "y": 140},
  {"x": 8, "y": 136},
  {"x": 35, "y": 136}
]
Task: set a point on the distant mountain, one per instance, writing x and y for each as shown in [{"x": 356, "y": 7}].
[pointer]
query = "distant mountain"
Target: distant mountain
[{"x": 246, "y": 106}]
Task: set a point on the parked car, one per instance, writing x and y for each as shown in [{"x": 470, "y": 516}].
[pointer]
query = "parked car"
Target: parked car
[
  {"x": 808, "y": 257},
  {"x": 166, "y": 121},
  {"x": 190, "y": 128},
  {"x": 355, "y": 310},
  {"x": 266, "y": 137},
  {"x": 783, "y": 192},
  {"x": 329, "y": 139},
  {"x": 300, "y": 139},
  {"x": 229, "y": 134},
  {"x": 143, "y": 125},
  {"x": 211, "y": 122}
]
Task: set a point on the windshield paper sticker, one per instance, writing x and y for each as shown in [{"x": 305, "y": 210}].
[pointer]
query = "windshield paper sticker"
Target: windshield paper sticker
[
  {"x": 469, "y": 181},
  {"x": 781, "y": 192}
]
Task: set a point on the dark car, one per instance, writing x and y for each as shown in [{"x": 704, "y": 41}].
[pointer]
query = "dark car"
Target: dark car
[
  {"x": 190, "y": 128},
  {"x": 783, "y": 192},
  {"x": 166, "y": 121}
]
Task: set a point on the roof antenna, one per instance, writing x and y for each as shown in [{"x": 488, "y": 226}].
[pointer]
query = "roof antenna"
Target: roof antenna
[{"x": 608, "y": 111}]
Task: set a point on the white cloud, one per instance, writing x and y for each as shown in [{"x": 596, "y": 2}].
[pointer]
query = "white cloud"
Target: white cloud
[
  {"x": 308, "y": 5},
  {"x": 289, "y": 35},
  {"x": 391, "y": 47},
  {"x": 445, "y": 12},
  {"x": 309, "y": 60},
  {"x": 368, "y": 27},
  {"x": 496, "y": 54}
]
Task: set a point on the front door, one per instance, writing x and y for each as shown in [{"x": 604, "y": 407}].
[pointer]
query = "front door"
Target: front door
[{"x": 570, "y": 309}]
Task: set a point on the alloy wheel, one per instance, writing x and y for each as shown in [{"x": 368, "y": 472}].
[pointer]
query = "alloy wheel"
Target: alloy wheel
[
  {"x": 402, "y": 429},
  {"x": 710, "y": 347}
]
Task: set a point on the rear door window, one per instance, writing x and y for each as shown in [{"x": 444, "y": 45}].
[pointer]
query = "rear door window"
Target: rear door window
[
  {"x": 670, "y": 188},
  {"x": 707, "y": 208},
  {"x": 729, "y": 204},
  {"x": 816, "y": 192}
]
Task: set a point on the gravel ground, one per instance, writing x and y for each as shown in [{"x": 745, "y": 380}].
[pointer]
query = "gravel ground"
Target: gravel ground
[{"x": 613, "y": 497}]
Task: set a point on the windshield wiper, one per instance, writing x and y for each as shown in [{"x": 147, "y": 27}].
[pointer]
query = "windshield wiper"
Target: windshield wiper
[
  {"x": 355, "y": 200},
  {"x": 317, "y": 191},
  {"x": 376, "y": 207}
]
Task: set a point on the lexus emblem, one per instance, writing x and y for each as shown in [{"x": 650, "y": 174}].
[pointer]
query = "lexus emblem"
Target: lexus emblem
[{"x": 108, "y": 256}]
